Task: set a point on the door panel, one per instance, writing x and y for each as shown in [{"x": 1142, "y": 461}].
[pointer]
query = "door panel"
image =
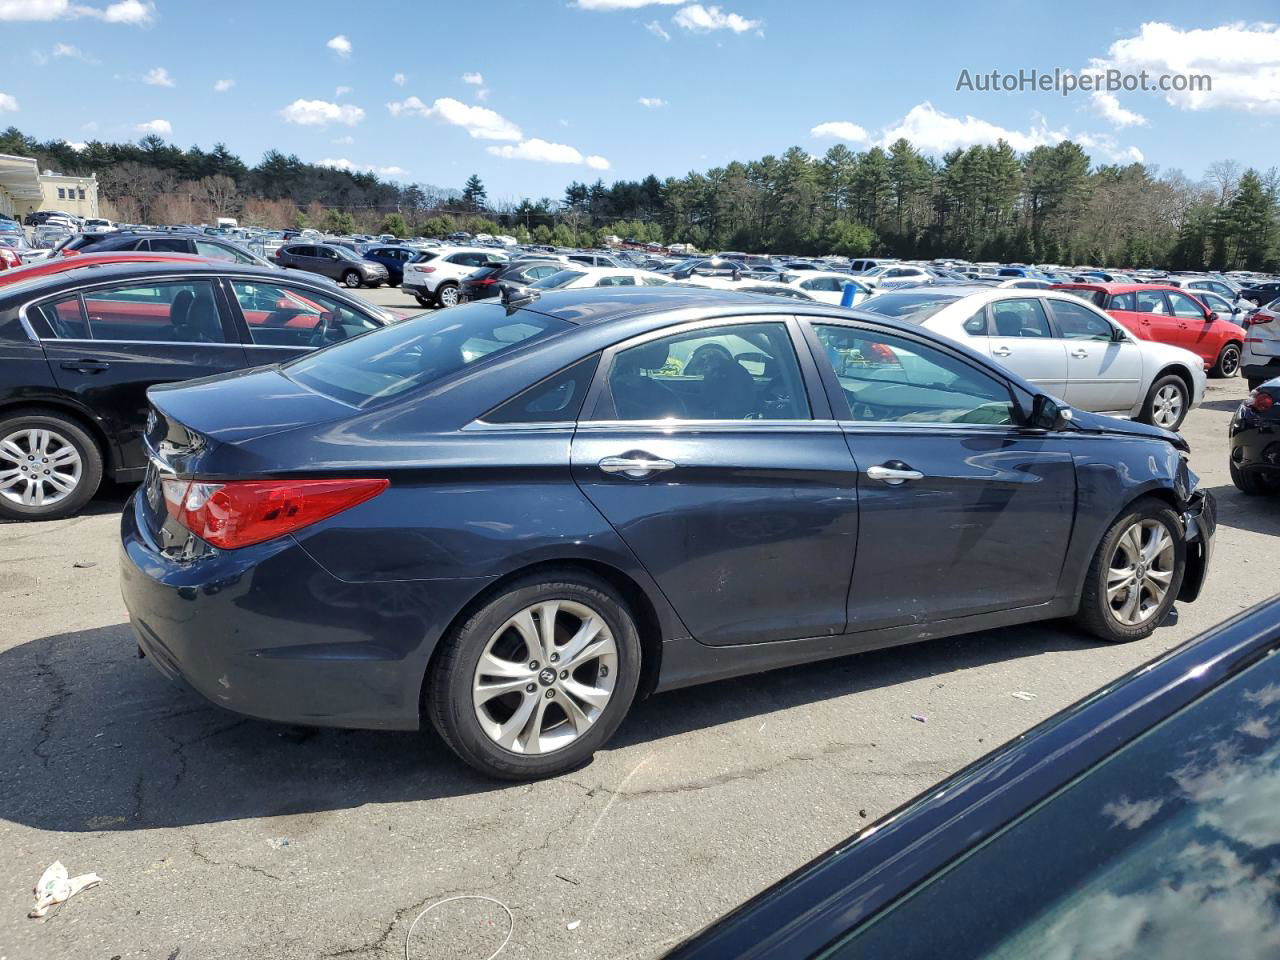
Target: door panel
[
  {"x": 1103, "y": 376},
  {"x": 1022, "y": 340}
]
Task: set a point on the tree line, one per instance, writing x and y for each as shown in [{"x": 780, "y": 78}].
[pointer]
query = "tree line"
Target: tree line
[{"x": 1051, "y": 204}]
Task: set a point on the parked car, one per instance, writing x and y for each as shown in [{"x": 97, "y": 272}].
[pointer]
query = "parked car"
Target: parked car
[
  {"x": 393, "y": 257},
  {"x": 78, "y": 350},
  {"x": 1132, "y": 824},
  {"x": 483, "y": 283},
  {"x": 863, "y": 264},
  {"x": 435, "y": 276},
  {"x": 748, "y": 283},
  {"x": 1023, "y": 283},
  {"x": 1237, "y": 311},
  {"x": 1260, "y": 359},
  {"x": 336, "y": 263},
  {"x": 1254, "y": 458},
  {"x": 594, "y": 259},
  {"x": 829, "y": 287},
  {"x": 1222, "y": 288},
  {"x": 156, "y": 242},
  {"x": 98, "y": 225},
  {"x": 1261, "y": 293},
  {"x": 896, "y": 273},
  {"x": 1066, "y": 347},
  {"x": 1165, "y": 314},
  {"x": 10, "y": 256},
  {"x": 41, "y": 268},
  {"x": 493, "y": 519},
  {"x": 577, "y": 277}
]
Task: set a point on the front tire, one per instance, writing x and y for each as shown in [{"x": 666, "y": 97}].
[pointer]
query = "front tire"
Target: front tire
[
  {"x": 536, "y": 680},
  {"x": 49, "y": 466},
  {"x": 1167, "y": 403},
  {"x": 1135, "y": 575},
  {"x": 1228, "y": 364},
  {"x": 351, "y": 278},
  {"x": 447, "y": 295}
]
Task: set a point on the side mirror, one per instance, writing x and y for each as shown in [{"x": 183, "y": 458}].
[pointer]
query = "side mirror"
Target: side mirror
[
  {"x": 1213, "y": 315},
  {"x": 1049, "y": 414}
]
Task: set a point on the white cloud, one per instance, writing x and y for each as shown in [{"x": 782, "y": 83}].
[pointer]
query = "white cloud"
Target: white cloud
[
  {"x": 1243, "y": 60},
  {"x": 319, "y": 113},
  {"x": 127, "y": 11},
  {"x": 623, "y": 4},
  {"x": 342, "y": 163},
  {"x": 480, "y": 122},
  {"x": 475, "y": 79},
  {"x": 543, "y": 151},
  {"x": 652, "y": 102},
  {"x": 222, "y": 86},
  {"x": 1105, "y": 145},
  {"x": 340, "y": 45},
  {"x": 399, "y": 79},
  {"x": 482, "y": 93},
  {"x": 702, "y": 19},
  {"x": 840, "y": 130},
  {"x": 162, "y": 127},
  {"x": 66, "y": 51},
  {"x": 339, "y": 91},
  {"x": 1108, "y": 107},
  {"x": 77, "y": 146},
  {"x": 654, "y": 27},
  {"x": 344, "y": 141},
  {"x": 159, "y": 77},
  {"x": 8, "y": 103}
]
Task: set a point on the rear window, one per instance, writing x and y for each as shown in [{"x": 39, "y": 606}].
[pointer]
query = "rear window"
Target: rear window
[
  {"x": 387, "y": 363},
  {"x": 558, "y": 280},
  {"x": 912, "y": 307}
]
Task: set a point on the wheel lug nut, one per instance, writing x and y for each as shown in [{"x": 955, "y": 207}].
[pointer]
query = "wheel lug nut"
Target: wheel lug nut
[
  {"x": 533, "y": 664},
  {"x": 555, "y": 658},
  {"x": 530, "y": 688},
  {"x": 551, "y": 694},
  {"x": 564, "y": 674},
  {"x": 604, "y": 671}
]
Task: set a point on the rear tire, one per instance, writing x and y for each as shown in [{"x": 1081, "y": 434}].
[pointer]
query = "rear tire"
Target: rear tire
[
  {"x": 1108, "y": 608},
  {"x": 63, "y": 466},
  {"x": 1248, "y": 483},
  {"x": 533, "y": 716},
  {"x": 447, "y": 295},
  {"x": 1254, "y": 384},
  {"x": 422, "y": 301},
  {"x": 1228, "y": 364},
  {"x": 1167, "y": 403}
]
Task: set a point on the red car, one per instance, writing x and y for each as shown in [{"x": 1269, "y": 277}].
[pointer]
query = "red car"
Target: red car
[
  {"x": 1165, "y": 314},
  {"x": 42, "y": 268}
]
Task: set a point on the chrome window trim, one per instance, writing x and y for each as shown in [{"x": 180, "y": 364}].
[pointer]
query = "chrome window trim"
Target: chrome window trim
[{"x": 150, "y": 343}]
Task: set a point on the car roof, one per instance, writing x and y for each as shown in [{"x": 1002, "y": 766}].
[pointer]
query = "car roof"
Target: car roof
[{"x": 1116, "y": 287}]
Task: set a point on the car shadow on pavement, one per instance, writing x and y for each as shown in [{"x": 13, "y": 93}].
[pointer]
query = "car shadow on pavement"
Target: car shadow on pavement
[
  {"x": 110, "y": 498},
  {"x": 95, "y": 739}
]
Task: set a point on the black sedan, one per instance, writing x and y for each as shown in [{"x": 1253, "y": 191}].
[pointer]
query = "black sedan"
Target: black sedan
[
  {"x": 512, "y": 518},
  {"x": 1255, "y": 441},
  {"x": 483, "y": 283},
  {"x": 1138, "y": 824},
  {"x": 79, "y": 349}
]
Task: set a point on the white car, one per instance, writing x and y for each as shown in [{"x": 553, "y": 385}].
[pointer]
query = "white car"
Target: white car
[
  {"x": 829, "y": 287},
  {"x": 98, "y": 225},
  {"x": 747, "y": 284},
  {"x": 1064, "y": 345},
  {"x": 896, "y": 272},
  {"x": 576, "y": 276},
  {"x": 436, "y": 275},
  {"x": 1260, "y": 359}
]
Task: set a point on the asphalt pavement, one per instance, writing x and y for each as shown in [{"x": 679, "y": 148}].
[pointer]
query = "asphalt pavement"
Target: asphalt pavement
[{"x": 217, "y": 836}]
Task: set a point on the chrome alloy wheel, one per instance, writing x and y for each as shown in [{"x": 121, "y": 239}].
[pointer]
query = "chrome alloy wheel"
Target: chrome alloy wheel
[
  {"x": 38, "y": 467},
  {"x": 1140, "y": 572},
  {"x": 448, "y": 296},
  {"x": 545, "y": 677},
  {"x": 1167, "y": 408}
]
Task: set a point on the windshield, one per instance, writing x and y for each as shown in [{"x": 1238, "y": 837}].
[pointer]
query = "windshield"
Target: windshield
[
  {"x": 558, "y": 280},
  {"x": 386, "y": 363},
  {"x": 912, "y": 307}
]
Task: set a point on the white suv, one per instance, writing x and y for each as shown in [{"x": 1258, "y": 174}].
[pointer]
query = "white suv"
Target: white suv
[
  {"x": 1260, "y": 359},
  {"x": 436, "y": 275}
]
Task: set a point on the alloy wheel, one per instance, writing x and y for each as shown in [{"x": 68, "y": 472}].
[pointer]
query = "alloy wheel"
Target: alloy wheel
[
  {"x": 38, "y": 467},
  {"x": 1167, "y": 408},
  {"x": 1229, "y": 363},
  {"x": 449, "y": 297},
  {"x": 1140, "y": 572},
  {"x": 545, "y": 677}
]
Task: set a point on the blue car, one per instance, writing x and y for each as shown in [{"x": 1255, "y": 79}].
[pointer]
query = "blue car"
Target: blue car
[
  {"x": 392, "y": 257},
  {"x": 511, "y": 519}
]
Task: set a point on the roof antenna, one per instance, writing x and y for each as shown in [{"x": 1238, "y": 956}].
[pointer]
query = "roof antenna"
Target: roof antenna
[{"x": 515, "y": 296}]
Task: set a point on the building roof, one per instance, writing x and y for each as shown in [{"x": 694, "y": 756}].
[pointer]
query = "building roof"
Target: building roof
[{"x": 20, "y": 177}]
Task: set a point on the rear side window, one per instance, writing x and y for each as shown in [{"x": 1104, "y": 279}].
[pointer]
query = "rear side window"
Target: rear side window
[
  {"x": 976, "y": 326},
  {"x": 557, "y": 280},
  {"x": 1151, "y": 301},
  {"x": 65, "y": 318},
  {"x": 1122, "y": 301},
  {"x": 557, "y": 399},
  {"x": 183, "y": 312},
  {"x": 168, "y": 245},
  {"x": 1019, "y": 318},
  {"x": 394, "y": 360},
  {"x": 912, "y": 307}
]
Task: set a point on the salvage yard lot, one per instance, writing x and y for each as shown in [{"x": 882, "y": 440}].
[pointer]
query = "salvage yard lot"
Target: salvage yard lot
[{"x": 218, "y": 836}]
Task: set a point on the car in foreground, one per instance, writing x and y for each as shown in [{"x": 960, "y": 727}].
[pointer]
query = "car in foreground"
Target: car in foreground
[
  {"x": 1135, "y": 823},
  {"x": 434, "y": 277},
  {"x": 1254, "y": 456},
  {"x": 332, "y": 261},
  {"x": 509, "y": 519},
  {"x": 1065, "y": 346},
  {"x": 1260, "y": 359},
  {"x": 79, "y": 348},
  {"x": 1166, "y": 314}
]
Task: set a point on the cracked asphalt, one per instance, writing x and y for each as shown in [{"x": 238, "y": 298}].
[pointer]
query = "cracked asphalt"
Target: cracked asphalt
[{"x": 223, "y": 837}]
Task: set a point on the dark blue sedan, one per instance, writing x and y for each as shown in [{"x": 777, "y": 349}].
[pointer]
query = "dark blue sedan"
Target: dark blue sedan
[
  {"x": 393, "y": 257},
  {"x": 514, "y": 517}
]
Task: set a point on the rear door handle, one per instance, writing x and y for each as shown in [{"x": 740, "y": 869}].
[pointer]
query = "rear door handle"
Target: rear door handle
[
  {"x": 894, "y": 476},
  {"x": 637, "y": 468},
  {"x": 1000, "y": 351},
  {"x": 85, "y": 366},
  {"x": 1080, "y": 353}
]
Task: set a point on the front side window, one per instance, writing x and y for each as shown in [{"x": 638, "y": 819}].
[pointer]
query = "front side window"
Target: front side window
[
  {"x": 1020, "y": 318},
  {"x": 1079, "y": 323},
  {"x": 183, "y": 312},
  {"x": 281, "y": 316},
  {"x": 889, "y": 379},
  {"x": 1184, "y": 306},
  {"x": 214, "y": 252},
  {"x": 561, "y": 278},
  {"x": 733, "y": 372}
]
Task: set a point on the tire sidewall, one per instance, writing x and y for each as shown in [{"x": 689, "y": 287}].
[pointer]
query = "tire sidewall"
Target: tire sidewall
[
  {"x": 90, "y": 461},
  {"x": 454, "y": 712},
  {"x": 1150, "y": 406},
  {"x": 440, "y": 293},
  {"x": 1233, "y": 350},
  {"x": 1144, "y": 510},
  {"x": 346, "y": 279}
]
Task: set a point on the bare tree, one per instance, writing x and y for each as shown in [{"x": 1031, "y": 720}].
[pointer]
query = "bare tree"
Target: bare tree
[
  {"x": 221, "y": 194},
  {"x": 1225, "y": 176}
]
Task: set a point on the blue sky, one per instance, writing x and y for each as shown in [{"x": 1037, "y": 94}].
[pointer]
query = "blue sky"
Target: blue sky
[{"x": 531, "y": 94}]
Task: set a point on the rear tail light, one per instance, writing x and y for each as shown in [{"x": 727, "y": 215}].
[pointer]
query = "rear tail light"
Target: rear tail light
[
  {"x": 10, "y": 257},
  {"x": 1259, "y": 317},
  {"x": 426, "y": 269},
  {"x": 240, "y": 513},
  {"x": 1260, "y": 402},
  {"x": 485, "y": 281}
]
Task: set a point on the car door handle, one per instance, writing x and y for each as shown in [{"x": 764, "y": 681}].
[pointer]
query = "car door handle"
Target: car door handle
[
  {"x": 637, "y": 468},
  {"x": 894, "y": 476},
  {"x": 1080, "y": 353},
  {"x": 85, "y": 366},
  {"x": 1000, "y": 351}
]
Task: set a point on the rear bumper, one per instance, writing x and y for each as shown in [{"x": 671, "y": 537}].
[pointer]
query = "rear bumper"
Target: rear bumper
[
  {"x": 1255, "y": 444},
  {"x": 1200, "y": 526},
  {"x": 267, "y": 632},
  {"x": 1255, "y": 366}
]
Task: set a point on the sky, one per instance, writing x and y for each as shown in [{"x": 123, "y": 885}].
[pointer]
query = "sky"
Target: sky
[{"x": 533, "y": 94}]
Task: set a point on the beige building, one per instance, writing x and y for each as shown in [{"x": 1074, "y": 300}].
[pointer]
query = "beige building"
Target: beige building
[
  {"x": 69, "y": 194},
  {"x": 20, "y": 189}
]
